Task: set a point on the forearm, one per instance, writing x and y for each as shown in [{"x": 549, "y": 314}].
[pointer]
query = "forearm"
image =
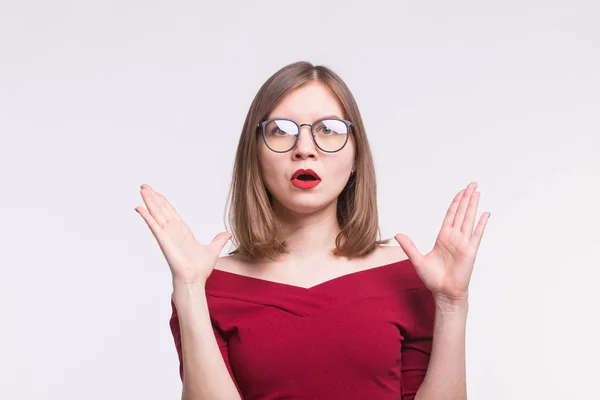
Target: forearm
[
  {"x": 205, "y": 373},
  {"x": 446, "y": 374}
]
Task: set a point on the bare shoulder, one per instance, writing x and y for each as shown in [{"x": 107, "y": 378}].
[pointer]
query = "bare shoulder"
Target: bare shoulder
[
  {"x": 384, "y": 255},
  {"x": 231, "y": 263}
]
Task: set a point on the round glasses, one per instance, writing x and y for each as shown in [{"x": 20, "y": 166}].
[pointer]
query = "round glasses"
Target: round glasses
[{"x": 329, "y": 134}]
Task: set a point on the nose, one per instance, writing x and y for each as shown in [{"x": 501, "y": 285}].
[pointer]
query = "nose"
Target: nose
[{"x": 305, "y": 147}]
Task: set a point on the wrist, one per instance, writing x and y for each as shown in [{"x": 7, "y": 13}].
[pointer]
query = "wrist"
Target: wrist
[
  {"x": 446, "y": 305},
  {"x": 188, "y": 286},
  {"x": 188, "y": 291}
]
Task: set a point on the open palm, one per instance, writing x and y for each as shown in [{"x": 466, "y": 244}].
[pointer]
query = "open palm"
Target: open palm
[
  {"x": 190, "y": 261},
  {"x": 446, "y": 269}
]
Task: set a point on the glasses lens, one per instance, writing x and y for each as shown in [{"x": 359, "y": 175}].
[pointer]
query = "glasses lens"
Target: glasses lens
[
  {"x": 280, "y": 134},
  {"x": 331, "y": 134}
]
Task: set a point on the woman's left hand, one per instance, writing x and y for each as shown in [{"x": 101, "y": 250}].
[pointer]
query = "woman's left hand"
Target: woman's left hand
[{"x": 446, "y": 270}]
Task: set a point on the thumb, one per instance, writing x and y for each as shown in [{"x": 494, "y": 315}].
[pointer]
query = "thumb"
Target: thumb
[
  {"x": 409, "y": 248},
  {"x": 219, "y": 241}
]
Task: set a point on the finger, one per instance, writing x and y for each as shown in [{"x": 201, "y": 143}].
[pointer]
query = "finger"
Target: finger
[
  {"x": 480, "y": 229},
  {"x": 467, "y": 226},
  {"x": 462, "y": 206},
  {"x": 166, "y": 207},
  {"x": 153, "y": 205},
  {"x": 219, "y": 241},
  {"x": 449, "y": 219},
  {"x": 150, "y": 221},
  {"x": 409, "y": 248}
]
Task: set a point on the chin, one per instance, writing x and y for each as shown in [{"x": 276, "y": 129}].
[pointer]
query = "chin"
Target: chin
[{"x": 303, "y": 204}]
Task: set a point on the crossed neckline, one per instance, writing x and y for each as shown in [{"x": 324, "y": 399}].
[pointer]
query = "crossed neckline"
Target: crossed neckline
[{"x": 313, "y": 287}]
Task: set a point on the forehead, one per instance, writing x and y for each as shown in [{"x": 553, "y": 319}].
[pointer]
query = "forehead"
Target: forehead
[{"x": 308, "y": 103}]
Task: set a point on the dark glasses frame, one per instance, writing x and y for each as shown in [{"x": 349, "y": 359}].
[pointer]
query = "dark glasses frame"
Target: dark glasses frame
[{"x": 263, "y": 124}]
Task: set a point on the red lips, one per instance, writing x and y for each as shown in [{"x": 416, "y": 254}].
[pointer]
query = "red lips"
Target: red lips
[
  {"x": 305, "y": 172},
  {"x": 312, "y": 181}
]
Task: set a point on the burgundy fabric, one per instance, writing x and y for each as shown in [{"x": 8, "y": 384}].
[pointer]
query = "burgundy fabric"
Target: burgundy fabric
[{"x": 365, "y": 335}]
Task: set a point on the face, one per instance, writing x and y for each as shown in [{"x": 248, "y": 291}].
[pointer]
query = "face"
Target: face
[{"x": 305, "y": 105}]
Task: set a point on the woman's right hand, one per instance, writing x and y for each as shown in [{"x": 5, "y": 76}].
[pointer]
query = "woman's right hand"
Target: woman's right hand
[{"x": 190, "y": 262}]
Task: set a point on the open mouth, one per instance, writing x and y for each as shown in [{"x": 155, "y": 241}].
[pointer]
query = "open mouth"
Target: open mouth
[
  {"x": 306, "y": 175},
  {"x": 305, "y": 179}
]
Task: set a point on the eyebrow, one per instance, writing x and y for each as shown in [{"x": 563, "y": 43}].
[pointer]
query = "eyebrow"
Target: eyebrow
[
  {"x": 323, "y": 117},
  {"x": 331, "y": 116}
]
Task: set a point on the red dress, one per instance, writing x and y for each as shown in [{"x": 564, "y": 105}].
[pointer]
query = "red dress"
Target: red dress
[{"x": 365, "y": 335}]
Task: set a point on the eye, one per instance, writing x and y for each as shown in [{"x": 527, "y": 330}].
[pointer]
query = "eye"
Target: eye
[
  {"x": 277, "y": 131},
  {"x": 323, "y": 129},
  {"x": 280, "y": 127}
]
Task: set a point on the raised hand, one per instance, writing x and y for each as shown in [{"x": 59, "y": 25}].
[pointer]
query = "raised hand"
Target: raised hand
[
  {"x": 446, "y": 270},
  {"x": 190, "y": 262}
]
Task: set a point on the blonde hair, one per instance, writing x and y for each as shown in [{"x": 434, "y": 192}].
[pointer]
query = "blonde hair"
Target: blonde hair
[{"x": 254, "y": 226}]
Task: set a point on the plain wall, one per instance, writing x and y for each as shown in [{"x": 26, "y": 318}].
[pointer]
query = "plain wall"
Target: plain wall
[{"x": 99, "y": 97}]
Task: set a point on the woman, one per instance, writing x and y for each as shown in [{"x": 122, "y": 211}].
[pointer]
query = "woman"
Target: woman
[{"x": 311, "y": 304}]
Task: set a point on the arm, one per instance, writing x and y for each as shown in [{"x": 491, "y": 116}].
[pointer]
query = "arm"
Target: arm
[
  {"x": 446, "y": 271},
  {"x": 204, "y": 372},
  {"x": 446, "y": 375}
]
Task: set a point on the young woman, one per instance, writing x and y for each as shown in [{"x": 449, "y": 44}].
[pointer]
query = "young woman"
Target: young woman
[{"x": 312, "y": 304}]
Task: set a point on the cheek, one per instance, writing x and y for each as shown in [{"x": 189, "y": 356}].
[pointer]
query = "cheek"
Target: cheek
[{"x": 345, "y": 162}]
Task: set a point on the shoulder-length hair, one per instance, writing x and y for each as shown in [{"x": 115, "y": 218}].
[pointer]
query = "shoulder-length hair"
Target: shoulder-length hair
[{"x": 254, "y": 227}]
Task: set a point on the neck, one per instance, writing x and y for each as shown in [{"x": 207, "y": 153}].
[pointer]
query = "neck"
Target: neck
[{"x": 309, "y": 235}]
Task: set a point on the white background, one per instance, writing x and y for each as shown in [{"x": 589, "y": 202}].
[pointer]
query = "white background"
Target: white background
[{"x": 97, "y": 97}]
